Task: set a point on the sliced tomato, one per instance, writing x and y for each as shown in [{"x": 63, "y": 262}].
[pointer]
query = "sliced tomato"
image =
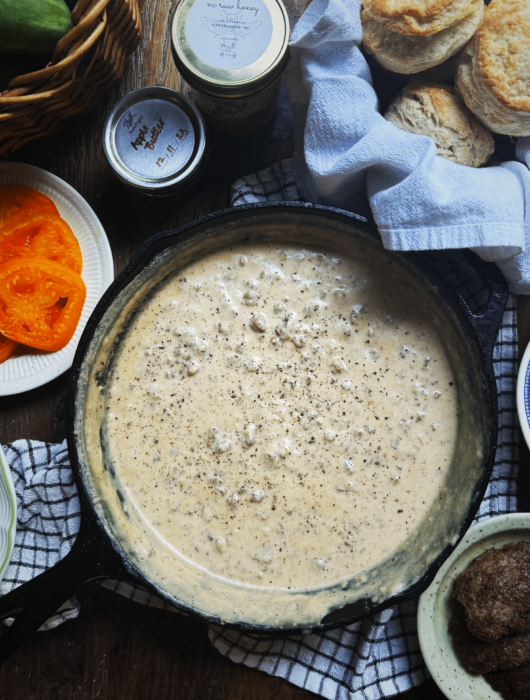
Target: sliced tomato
[
  {"x": 45, "y": 236},
  {"x": 40, "y": 302},
  {"x": 6, "y": 347},
  {"x": 18, "y": 200}
]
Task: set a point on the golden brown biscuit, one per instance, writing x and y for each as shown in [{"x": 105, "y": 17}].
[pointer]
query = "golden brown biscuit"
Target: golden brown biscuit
[
  {"x": 432, "y": 109},
  {"x": 417, "y": 17},
  {"x": 493, "y": 74},
  {"x": 412, "y": 54}
]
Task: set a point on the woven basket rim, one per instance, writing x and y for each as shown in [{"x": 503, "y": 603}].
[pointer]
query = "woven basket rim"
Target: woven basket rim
[{"x": 86, "y": 61}]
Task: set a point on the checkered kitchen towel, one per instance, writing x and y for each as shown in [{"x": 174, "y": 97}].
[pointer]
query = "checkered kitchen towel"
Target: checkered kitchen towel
[{"x": 376, "y": 658}]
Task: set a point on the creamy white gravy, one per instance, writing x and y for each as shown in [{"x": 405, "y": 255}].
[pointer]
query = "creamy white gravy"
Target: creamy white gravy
[{"x": 278, "y": 418}]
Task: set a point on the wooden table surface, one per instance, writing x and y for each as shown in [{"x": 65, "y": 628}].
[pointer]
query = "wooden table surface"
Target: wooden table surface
[{"x": 116, "y": 649}]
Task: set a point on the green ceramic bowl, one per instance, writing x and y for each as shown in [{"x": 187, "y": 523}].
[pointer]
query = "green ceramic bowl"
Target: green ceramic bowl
[
  {"x": 436, "y": 607},
  {"x": 8, "y": 514}
]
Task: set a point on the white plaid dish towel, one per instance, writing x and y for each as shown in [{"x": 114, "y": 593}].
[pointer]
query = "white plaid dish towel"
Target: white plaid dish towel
[{"x": 376, "y": 658}]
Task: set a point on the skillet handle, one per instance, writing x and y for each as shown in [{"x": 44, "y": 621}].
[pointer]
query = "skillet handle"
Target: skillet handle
[
  {"x": 32, "y": 603},
  {"x": 487, "y": 324}
]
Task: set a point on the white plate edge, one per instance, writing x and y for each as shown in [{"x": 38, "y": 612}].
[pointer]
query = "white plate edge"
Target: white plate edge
[{"x": 521, "y": 381}]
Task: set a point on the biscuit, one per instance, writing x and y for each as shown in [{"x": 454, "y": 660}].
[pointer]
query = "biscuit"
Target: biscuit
[
  {"x": 417, "y": 17},
  {"x": 432, "y": 109},
  {"x": 412, "y": 54},
  {"x": 493, "y": 74},
  {"x": 484, "y": 657},
  {"x": 495, "y": 592}
]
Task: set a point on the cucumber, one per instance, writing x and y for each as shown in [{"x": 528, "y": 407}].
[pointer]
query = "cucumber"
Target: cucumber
[{"x": 32, "y": 26}]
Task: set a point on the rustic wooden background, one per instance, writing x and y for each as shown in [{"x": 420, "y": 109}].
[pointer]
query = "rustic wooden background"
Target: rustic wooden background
[{"x": 118, "y": 650}]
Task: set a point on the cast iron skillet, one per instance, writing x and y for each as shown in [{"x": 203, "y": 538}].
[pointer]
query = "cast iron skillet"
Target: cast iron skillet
[{"x": 96, "y": 555}]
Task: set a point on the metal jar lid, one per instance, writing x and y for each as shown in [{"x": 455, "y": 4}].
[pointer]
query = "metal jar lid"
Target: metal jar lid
[
  {"x": 155, "y": 140},
  {"x": 230, "y": 49}
]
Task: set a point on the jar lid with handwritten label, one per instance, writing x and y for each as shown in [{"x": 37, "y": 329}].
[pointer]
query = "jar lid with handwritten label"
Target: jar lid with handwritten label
[
  {"x": 232, "y": 54},
  {"x": 156, "y": 142}
]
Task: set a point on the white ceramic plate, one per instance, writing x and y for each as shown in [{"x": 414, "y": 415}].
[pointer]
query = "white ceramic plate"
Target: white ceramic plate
[
  {"x": 436, "y": 607},
  {"x": 28, "y": 370},
  {"x": 8, "y": 514},
  {"x": 523, "y": 395}
]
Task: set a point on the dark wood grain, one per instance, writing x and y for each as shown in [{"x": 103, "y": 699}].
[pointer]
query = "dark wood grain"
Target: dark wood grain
[{"x": 116, "y": 649}]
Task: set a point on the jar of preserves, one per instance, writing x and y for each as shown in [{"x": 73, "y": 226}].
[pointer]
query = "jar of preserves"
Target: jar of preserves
[
  {"x": 232, "y": 54},
  {"x": 157, "y": 144}
]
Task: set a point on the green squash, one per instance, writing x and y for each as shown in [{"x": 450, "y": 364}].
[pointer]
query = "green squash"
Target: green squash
[{"x": 32, "y": 26}]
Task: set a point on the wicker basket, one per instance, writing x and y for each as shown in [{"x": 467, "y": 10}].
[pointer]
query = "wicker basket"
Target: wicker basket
[{"x": 86, "y": 61}]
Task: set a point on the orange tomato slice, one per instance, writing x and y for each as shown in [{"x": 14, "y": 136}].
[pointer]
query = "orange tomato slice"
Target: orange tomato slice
[
  {"x": 6, "y": 347},
  {"x": 40, "y": 302},
  {"x": 18, "y": 200},
  {"x": 45, "y": 236}
]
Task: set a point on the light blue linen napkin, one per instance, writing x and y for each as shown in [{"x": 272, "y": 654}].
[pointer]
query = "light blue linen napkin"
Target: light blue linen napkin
[{"x": 419, "y": 200}]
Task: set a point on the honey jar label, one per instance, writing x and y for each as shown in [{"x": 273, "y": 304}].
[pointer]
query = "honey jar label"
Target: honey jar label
[
  {"x": 155, "y": 139},
  {"x": 230, "y": 34}
]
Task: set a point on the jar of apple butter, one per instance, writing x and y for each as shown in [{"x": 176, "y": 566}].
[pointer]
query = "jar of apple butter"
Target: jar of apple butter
[{"x": 156, "y": 142}]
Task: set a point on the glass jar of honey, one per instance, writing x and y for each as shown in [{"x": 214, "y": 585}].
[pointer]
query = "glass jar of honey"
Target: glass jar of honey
[{"x": 232, "y": 54}]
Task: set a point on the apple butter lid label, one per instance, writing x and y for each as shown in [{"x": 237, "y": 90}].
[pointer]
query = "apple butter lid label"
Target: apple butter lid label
[
  {"x": 154, "y": 138},
  {"x": 231, "y": 34}
]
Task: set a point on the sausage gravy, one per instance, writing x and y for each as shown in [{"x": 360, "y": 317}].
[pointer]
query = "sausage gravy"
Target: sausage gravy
[{"x": 278, "y": 420}]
